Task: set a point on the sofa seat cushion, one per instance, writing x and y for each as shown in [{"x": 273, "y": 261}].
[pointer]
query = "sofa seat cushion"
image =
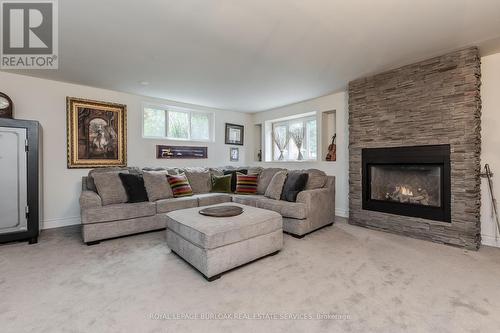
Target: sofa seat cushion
[
  {"x": 207, "y": 199},
  {"x": 168, "y": 205},
  {"x": 117, "y": 212},
  {"x": 210, "y": 232},
  {"x": 294, "y": 210},
  {"x": 246, "y": 199}
]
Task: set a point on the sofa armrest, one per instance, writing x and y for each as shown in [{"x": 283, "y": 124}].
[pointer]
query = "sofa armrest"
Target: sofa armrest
[
  {"x": 316, "y": 199},
  {"x": 90, "y": 199},
  {"x": 320, "y": 204}
]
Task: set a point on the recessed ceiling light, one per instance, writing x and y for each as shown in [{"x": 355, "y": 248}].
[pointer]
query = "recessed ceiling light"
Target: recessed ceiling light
[{"x": 144, "y": 83}]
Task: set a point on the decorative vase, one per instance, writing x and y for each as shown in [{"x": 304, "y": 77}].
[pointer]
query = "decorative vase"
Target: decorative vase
[
  {"x": 281, "y": 157},
  {"x": 300, "y": 157}
]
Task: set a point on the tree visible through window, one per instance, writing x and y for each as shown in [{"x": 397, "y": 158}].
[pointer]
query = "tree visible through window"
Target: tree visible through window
[
  {"x": 177, "y": 124},
  {"x": 154, "y": 122}
]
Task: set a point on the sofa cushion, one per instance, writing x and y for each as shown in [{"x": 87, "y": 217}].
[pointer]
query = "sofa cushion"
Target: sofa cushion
[
  {"x": 200, "y": 179},
  {"x": 157, "y": 185},
  {"x": 275, "y": 187},
  {"x": 246, "y": 184},
  {"x": 294, "y": 210},
  {"x": 295, "y": 183},
  {"x": 90, "y": 177},
  {"x": 216, "y": 171},
  {"x": 255, "y": 170},
  {"x": 316, "y": 179},
  {"x": 116, "y": 212},
  {"x": 180, "y": 185},
  {"x": 110, "y": 187},
  {"x": 168, "y": 205},
  {"x": 233, "y": 172},
  {"x": 221, "y": 184},
  {"x": 206, "y": 199},
  {"x": 210, "y": 232},
  {"x": 134, "y": 186},
  {"x": 170, "y": 171},
  {"x": 246, "y": 199},
  {"x": 265, "y": 177}
]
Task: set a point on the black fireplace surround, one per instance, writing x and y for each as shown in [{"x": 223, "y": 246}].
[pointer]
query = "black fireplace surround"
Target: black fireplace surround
[{"x": 409, "y": 181}]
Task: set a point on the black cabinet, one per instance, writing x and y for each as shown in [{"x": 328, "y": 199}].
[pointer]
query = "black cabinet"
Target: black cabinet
[{"x": 19, "y": 180}]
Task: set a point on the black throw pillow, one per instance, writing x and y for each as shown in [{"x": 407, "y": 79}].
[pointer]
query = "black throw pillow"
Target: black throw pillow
[
  {"x": 294, "y": 183},
  {"x": 233, "y": 172},
  {"x": 134, "y": 186}
]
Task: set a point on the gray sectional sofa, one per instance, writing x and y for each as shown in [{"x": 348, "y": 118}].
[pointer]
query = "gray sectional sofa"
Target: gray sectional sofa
[{"x": 313, "y": 209}]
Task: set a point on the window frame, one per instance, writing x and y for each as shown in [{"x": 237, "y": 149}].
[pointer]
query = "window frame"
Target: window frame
[
  {"x": 190, "y": 112},
  {"x": 304, "y": 119}
]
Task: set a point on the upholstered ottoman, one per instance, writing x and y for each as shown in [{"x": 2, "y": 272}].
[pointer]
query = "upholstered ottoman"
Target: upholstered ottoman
[{"x": 214, "y": 245}]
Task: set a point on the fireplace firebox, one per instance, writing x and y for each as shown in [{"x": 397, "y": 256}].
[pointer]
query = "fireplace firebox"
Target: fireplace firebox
[{"x": 410, "y": 181}]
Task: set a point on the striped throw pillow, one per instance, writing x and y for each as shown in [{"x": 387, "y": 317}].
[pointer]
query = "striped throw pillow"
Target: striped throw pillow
[
  {"x": 180, "y": 185},
  {"x": 246, "y": 184}
]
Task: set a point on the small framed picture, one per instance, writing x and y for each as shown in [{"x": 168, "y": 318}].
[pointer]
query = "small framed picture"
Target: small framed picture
[
  {"x": 234, "y": 134},
  {"x": 234, "y": 154}
]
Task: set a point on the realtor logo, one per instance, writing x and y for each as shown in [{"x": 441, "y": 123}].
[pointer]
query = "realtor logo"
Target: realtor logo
[{"x": 29, "y": 34}]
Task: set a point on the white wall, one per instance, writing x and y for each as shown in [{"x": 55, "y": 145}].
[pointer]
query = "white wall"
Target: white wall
[
  {"x": 490, "y": 137},
  {"x": 490, "y": 94},
  {"x": 45, "y": 101},
  {"x": 339, "y": 169}
]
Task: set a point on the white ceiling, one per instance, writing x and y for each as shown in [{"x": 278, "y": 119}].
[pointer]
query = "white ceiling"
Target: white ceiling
[{"x": 253, "y": 55}]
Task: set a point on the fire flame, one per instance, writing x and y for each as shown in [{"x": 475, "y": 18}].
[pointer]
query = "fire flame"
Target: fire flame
[{"x": 406, "y": 191}]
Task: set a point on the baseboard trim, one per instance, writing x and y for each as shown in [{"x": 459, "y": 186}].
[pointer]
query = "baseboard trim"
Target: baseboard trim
[
  {"x": 341, "y": 212},
  {"x": 60, "y": 222},
  {"x": 490, "y": 240},
  {"x": 67, "y": 221}
]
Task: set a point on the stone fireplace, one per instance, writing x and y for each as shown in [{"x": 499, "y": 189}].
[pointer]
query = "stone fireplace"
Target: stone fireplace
[
  {"x": 414, "y": 149},
  {"x": 408, "y": 181}
]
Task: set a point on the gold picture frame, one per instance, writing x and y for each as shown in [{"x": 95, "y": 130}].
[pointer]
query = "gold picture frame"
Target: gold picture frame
[{"x": 97, "y": 133}]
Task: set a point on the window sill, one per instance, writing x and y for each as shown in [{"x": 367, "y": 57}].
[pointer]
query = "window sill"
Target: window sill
[
  {"x": 292, "y": 161},
  {"x": 159, "y": 138}
]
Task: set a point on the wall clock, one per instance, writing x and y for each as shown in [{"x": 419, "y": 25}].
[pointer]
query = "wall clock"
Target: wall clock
[{"x": 6, "y": 106}]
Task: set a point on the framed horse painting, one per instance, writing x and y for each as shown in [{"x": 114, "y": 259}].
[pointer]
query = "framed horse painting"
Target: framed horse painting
[{"x": 97, "y": 133}]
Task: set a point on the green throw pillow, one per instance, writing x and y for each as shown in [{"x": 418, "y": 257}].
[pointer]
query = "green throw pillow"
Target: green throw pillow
[{"x": 221, "y": 184}]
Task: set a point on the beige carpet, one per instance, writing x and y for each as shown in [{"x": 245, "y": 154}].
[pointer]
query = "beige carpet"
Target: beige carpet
[{"x": 367, "y": 281}]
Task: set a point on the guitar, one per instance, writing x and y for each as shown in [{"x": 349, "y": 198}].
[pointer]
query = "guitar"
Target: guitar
[{"x": 332, "y": 150}]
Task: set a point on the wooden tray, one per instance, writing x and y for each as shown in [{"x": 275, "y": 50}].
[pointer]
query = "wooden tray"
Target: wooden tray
[{"x": 222, "y": 211}]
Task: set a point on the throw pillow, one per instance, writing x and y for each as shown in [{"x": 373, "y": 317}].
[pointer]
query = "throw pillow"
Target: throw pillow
[
  {"x": 134, "y": 186},
  {"x": 180, "y": 185},
  {"x": 199, "y": 179},
  {"x": 265, "y": 179},
  {"x": 295, "y": 183},
  {"x": 275, "y": 187},
  {"x": 157, "y": 185},
  {"x": 233, "y": 176},
  {"x": 316, "y": 179},
  {"x": 221, "y": 184},
  {"x": 90, "y": 177},
  {"x": 110, "y": 188},
  {"x": 246, "y": 184}
]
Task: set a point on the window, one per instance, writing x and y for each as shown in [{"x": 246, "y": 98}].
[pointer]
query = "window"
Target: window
[
  {"x": 294, "y": 139},
  {"x": 177, "y": 124}
]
